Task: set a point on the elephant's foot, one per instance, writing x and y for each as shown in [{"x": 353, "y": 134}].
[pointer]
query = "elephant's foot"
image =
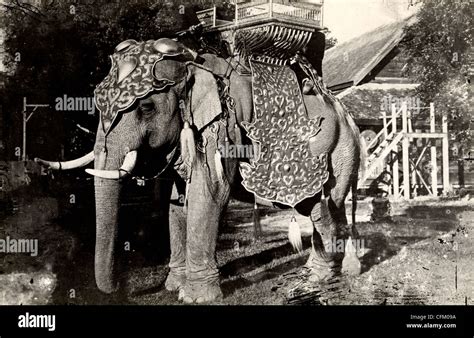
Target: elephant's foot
[
  {"x": 201, "y": 292},
  {"x": 175, "y": 281},
  {"x": 320, "y": 270}
]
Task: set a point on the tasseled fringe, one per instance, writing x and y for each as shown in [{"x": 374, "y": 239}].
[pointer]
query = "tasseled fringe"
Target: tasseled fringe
[
  {"x": 294, "y": 235},
  {"x": 351, "y": 264},
  {"x": 218, "y": 164},
  {"x": 188, "y": 147}
]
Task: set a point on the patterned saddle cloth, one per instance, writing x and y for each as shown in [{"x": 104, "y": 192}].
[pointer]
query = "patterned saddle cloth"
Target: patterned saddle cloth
[{"x": 283, "y": 169}]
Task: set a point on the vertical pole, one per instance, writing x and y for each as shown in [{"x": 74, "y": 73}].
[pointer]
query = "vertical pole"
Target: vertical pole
[
  {"x": 445, "y": 155},
  {"x": 414, "y": 182},
  {"x": 410, "y": 130},
  {"x": 321, "y": 13},
  {"x": 23, "y": 157},
  {"x": 405, "y": 155},
  {"x": 384, "y": 118},
  {"x": 413, "y": 173},
  {"x": 270, "y": 8},
  {"x": 214, "y": 14},
  {"x": 410, "y": 126},
  {"x": 434, "y": 164},
  {"x": 236, "y": 12},
  {"x": 396, "y": 179},
  {"x": 385, "y": 131}
]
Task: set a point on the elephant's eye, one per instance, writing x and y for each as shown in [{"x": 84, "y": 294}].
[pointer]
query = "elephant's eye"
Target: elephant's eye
[{"x": 147, "y": 106}]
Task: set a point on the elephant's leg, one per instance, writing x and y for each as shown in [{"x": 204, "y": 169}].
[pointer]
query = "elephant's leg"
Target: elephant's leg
[
  {"x": 172, "y": 199},
  {"x": 177, "y": 224},
  {"x": 330, "y": 229},
  {"x": 206, "y": 201}
]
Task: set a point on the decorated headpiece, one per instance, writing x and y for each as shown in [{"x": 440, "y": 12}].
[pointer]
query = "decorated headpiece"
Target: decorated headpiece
[{"x": 134, "y": 75}]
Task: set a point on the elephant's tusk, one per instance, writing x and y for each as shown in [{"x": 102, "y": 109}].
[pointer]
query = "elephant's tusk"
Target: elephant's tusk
[
  {"x": 125, "y": 170},
  {"x": 77, "y": 163},
  {"x": 129, "y": 162}
]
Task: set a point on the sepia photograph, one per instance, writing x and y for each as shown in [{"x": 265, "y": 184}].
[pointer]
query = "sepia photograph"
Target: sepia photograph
[{"x": 237, "y": 152}]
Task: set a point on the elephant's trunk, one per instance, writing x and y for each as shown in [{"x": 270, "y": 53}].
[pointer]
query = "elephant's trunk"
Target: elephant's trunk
[{"x": 107, "y": 199}]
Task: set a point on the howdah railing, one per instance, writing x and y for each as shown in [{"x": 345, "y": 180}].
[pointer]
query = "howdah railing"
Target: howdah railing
[{"x": 261, "y": 9}]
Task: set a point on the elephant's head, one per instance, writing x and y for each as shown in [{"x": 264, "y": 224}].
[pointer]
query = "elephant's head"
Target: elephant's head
[
  {"x": 152, "y": 91},
  {"x": 152, "y": 88}
]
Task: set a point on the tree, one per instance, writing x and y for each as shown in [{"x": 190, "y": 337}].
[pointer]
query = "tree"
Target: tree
[
  {"x": 54, "y": 48},
  {"x": 439, "y": 49}
]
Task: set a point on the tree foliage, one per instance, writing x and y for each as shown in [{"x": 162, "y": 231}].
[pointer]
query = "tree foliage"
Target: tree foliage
[
  {"x": 54, "y": 48},
  {"x": 439, "y": 49}
]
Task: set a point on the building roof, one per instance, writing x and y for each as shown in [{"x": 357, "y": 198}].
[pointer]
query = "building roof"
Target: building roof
[
  {"x": 348, "y": 63},
  {"x": 365, "y": 102}
]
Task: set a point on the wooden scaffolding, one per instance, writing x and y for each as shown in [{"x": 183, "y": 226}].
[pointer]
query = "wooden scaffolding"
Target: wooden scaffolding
[{"x": 393, "y": 157}]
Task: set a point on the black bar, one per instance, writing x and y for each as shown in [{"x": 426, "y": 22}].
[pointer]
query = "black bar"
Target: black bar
[{"x": 310, "y": 321}]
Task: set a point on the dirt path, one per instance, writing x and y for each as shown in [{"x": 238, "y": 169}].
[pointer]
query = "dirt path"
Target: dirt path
[
  {"x": 435, "y": 271},
  {"x": 409, "y": 259}
]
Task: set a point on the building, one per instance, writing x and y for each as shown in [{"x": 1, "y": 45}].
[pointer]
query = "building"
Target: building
[{"x": 368, "y": 74}]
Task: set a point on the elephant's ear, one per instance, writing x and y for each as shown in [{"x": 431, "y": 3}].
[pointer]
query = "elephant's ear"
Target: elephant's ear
[{"x": 204, "y": 102}]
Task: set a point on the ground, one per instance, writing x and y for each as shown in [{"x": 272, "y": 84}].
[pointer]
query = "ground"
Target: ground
[{"x": 422, "y": 254}]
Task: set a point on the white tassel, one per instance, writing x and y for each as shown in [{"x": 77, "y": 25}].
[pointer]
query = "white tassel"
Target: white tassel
[
  {"x": 188, "y": 147},
  {"x": 294, "y": 235},
  {"x": 218, "y": 164},
  {"x": 351, "y": 264}
]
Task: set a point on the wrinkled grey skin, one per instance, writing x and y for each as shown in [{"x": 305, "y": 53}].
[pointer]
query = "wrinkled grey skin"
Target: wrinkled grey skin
[{"x": 155, "y": 123}]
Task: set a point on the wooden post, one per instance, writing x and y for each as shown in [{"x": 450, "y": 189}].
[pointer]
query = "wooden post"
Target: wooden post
[
  {"x": 385, "y": 131},
  {"x": 396, "y": 179},
  {"x": 321, "y": 13},
  {"x": 236, "y": 12},
  {"x": 410, "y": 130},
  {"x": 405, "y": 154},
  {"x": 384, "y": 119},
  {"x": 410, "y": 126},
  {"x": 434, "y": 164},
  {"x": 214, "y": 16},
  {"x": 414, "y": 182},
  {"x": 446, "y": 186}
]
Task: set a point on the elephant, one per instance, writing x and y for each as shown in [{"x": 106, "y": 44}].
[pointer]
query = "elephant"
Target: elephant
[{"x": 160, "y": 108}]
